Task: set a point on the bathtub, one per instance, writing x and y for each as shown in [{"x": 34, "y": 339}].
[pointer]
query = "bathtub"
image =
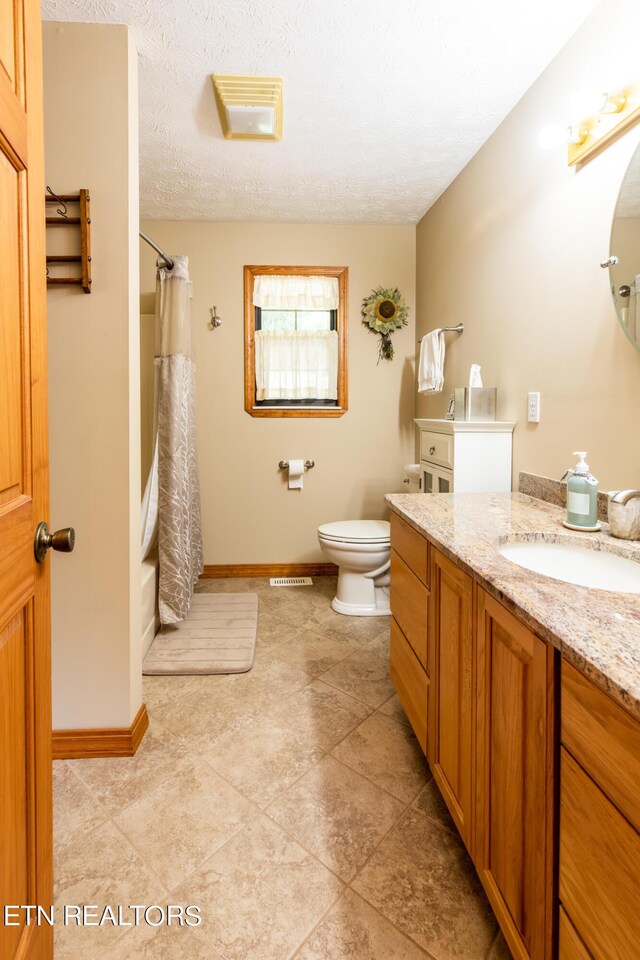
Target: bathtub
[{"x": 150, "y": 618}]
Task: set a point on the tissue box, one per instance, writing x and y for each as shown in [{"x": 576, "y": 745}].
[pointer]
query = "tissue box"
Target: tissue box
[{"x": 475, "y": 403}]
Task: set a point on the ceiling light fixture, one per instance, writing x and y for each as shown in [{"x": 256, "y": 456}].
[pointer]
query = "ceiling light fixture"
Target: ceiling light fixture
[
  {"x": 249, "y": 108},
  {"x": 612, "y": 115}
]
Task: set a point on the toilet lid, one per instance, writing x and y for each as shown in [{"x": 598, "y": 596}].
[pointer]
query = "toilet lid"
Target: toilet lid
[{"x": 356, "y": 531}]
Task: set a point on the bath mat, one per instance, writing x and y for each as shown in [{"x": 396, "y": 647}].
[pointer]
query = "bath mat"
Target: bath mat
[{"x": 218, "y": 637}]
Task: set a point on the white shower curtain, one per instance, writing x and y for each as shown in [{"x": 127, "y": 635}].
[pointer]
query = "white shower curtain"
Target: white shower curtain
[{"x": 172, "y": 494}]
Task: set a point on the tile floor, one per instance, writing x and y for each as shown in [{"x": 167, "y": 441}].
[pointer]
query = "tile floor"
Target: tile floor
[{"x": 292, "y": 804}]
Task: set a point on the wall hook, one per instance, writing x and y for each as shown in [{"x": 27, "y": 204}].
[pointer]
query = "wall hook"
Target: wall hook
[
  {"x": 61, "y": 212},
  {"x": 215, "y": 319}
]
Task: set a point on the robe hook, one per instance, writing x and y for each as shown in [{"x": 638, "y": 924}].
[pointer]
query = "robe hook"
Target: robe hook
[{"x": 62, "y": 213}]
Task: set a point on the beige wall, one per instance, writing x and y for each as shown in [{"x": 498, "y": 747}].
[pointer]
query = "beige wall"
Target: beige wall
[
  {"x": 513, "y": 249},
  {"x": 91, "y": 141},
  {"x": 249, "y": 515}
]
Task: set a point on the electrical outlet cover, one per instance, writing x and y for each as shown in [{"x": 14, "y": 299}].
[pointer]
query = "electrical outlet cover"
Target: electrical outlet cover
[{"x": 533, "y": 407}]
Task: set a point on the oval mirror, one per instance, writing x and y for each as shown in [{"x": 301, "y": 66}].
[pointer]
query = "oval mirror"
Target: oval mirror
[{"x": 625, "y": 247}]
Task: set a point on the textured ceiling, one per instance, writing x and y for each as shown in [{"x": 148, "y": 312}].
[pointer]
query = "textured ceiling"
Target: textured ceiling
[{"x": 384, "y": 102}]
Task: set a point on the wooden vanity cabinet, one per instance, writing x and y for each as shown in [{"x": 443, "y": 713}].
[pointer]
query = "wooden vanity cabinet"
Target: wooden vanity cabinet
[
  {"x": 599, "y": 823},
  {"x": 571, "y": 946},
  {"x": 410, "y": 599},
  {"x": 410, "y": 606},
  {"x": 489, "y": 694},
  {"x": 451, "y": 673},
  {"x": 515, "y": 776},
  {"x": 411, "y": 683},
  {"x": 563, "y": 883}
]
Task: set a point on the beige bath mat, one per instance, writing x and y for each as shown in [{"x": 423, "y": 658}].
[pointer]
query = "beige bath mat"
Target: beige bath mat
[{"x": 218, "y": 637}]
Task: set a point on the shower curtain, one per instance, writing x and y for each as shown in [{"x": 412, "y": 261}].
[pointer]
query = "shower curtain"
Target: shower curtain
[{"x": 171, "y": 502}]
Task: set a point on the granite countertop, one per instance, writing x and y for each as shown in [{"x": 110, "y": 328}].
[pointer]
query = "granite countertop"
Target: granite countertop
[{"x": 596, "y": 630}]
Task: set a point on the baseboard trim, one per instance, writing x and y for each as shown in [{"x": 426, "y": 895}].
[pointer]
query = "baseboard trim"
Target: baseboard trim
[
  {"x": 101, "y": 742},
  {"x": 211, "y": 571}
]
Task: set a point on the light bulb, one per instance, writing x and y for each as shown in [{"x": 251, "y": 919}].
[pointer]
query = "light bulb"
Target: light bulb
[
  {"x": 554, "y": 135},
  {"x": 612, "y": 102},
  {"x": 577, "y": 133}
]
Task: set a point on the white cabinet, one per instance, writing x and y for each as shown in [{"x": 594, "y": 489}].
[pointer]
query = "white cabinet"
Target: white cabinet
[
  {"x": 434, "y": 479},
  {"x": 465, "y": 456}
]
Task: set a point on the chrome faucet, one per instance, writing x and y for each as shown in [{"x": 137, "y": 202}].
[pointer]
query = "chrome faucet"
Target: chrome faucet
[{"x": 624, "y": 496}]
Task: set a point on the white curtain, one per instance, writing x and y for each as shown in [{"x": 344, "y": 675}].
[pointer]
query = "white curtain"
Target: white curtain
[
  {"x": 150, "y": 501},
  {"x": 172, "y": 495},
  {"x": 295, "y": 293},
  {"x": 296, "y": 366}
]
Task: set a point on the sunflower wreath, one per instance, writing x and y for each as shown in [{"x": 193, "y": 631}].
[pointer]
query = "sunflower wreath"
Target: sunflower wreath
[{"x": 383, "y": 312}]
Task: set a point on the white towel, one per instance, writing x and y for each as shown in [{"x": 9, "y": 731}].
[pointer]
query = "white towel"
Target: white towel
[{"x": 431, "y": 363}]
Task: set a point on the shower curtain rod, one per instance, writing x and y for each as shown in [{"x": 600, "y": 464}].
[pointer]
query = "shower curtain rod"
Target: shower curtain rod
[{"x": 168, "y": 261}]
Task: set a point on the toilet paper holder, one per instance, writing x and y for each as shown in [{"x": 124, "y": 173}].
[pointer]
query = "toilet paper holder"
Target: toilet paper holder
[{"x": 309, "y": 464}]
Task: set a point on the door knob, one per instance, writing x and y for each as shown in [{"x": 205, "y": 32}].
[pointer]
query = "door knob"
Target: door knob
[
  {"x": 432, "y": 450},
  {"x": 62, "y": 540}
]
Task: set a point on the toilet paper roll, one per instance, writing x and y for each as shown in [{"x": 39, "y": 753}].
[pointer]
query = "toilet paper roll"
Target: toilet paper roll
[{"x": 296, "y": 474}]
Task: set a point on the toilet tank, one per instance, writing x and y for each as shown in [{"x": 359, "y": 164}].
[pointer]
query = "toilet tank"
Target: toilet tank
[{"x": 411, "y": 483}]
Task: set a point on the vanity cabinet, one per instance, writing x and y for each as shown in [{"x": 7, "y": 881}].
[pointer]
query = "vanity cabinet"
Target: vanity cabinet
[
  {"x": 410, "y": 606},
  {"x": 410, "y": 600},
  {"x": 599, "y": 823},
  {"x": 515, "y": 776},
  {"x": 571, "y": 946},
  {"x": 450, "y": 740},
  {"x": 538, "y": 766},
  {"x": 485, "y": 704},
  {"x": 411, "y": 683}
]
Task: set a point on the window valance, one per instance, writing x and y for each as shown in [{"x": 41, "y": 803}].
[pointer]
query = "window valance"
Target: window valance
[{"x": 295, "y": 293}]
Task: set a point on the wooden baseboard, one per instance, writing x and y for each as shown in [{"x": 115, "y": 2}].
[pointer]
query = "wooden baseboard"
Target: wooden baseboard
[
  {"x": 102, "y": 742},
  {"x": 211, "y": 571}
]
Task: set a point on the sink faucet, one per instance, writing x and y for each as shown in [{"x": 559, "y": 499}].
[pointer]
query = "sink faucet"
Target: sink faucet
[{"x": 624, "y": 496}]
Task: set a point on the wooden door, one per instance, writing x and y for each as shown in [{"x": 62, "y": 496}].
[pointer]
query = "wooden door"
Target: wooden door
[
  {"x": 515, "y": 777},
  {"x": 450, "y": 728},
  {"x": 25, "y": 676}
]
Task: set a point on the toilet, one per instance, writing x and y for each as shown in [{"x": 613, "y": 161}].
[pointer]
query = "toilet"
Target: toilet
[{"x": 361, "y": 549}]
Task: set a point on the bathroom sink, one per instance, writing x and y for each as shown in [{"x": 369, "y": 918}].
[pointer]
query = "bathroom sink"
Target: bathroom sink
[{"x": 574, "y": 563}]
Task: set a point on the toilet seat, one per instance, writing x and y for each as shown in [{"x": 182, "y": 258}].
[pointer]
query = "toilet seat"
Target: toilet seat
[{"x": 356, "y": 531}]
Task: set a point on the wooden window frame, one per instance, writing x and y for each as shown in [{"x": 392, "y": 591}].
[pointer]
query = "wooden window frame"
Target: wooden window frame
[{"x": 250, "y": 273}]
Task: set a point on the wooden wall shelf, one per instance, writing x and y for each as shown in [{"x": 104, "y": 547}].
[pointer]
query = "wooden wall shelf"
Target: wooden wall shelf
[{"x": 83, "y": 220}]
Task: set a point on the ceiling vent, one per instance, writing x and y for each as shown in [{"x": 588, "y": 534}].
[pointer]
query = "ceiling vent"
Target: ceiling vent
[{"x": 250, "y": 108}]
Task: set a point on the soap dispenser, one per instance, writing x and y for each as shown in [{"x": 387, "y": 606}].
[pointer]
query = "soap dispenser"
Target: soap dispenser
[{"x": 582, "y": 497}]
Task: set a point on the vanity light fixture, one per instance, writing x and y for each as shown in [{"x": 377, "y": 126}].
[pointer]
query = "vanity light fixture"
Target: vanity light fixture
[
  {"x": 577, "y": 134},
  {"x": 612, "y": 102},
  {"x": 613, "y": 114},
  {"x": 249, "y": 108}
]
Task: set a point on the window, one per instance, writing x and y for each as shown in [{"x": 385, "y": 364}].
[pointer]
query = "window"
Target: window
[{"x": 295, "y": 341}]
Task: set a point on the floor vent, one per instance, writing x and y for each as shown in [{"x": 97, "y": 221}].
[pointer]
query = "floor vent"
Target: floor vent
[{"x": 290, "y": 582}]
